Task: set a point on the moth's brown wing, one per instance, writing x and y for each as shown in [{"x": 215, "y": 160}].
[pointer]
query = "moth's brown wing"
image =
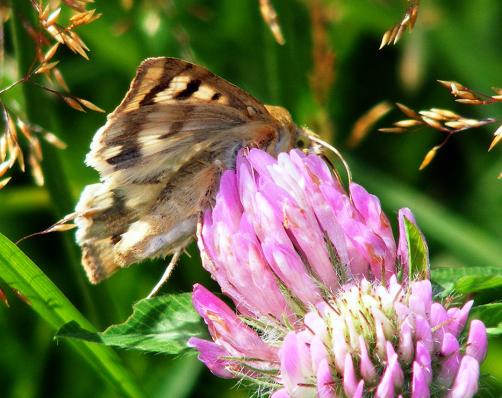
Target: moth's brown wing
[
  {"x": 158, "y": 155},
  {"x": 171, "y": 104}
]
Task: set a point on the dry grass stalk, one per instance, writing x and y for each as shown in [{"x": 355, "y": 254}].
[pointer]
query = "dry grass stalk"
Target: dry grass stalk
[
  {"x": 322, "y": 76},
  {"x": 11, "y": 151},
  {"x": 270, "y": 17},
  {"x": 393, "y": 35},
  {"x": 465, "y": 95},
  {"x": 443, "y": 120},
  {"x": 49, "y": 35},
  {"x": 363, "y": 125}
]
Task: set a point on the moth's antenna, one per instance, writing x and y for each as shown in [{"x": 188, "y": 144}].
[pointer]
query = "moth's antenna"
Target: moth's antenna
[
  {"x": 335, "y": 151},
  {"x": 61, "y": 225}
]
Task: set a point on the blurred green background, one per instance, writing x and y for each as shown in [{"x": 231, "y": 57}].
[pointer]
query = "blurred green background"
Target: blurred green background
[{"x": 457, "y": 199}]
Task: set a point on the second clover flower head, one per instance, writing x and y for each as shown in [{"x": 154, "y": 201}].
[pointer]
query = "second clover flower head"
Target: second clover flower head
[{"x": 314, "y": 273}]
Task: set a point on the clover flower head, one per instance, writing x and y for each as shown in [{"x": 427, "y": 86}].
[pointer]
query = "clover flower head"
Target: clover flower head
[{"x": 324, "y": 303}]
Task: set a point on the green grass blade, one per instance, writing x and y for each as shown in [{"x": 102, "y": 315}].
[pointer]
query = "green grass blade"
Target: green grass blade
[{"x": 20, "y": 273}]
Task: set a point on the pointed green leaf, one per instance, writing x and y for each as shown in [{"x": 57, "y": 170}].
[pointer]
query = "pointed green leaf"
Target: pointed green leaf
[
  {"x": 20, "y": 273},
  {"x": 161, "y": 324},
  {"x": 491, "y": 315},
  {"x": 417, "y": 252}
]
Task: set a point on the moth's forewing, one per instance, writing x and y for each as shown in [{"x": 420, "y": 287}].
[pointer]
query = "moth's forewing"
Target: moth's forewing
[{"x": 159, "y": 157}]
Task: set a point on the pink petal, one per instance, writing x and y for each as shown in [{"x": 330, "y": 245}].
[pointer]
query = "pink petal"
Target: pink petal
[
  {"x": 282, "y": 393},
  {"x": 423, "y": 332},
  {"x": 288, "y": 266},
  {"x": 421, "y": 292},
  {"x": 457, "y": 318},
  {"x": 296, "y": 366},
  {"x": 318, "y": 352},
  {"x": 423, "y": 358},
  {"x": 477, "y": 341},
  {"x": 438, "y": 322},
  {"x": 210, "y": 354},
  {"x": 406, "y": 348},
  {"x": 451, "y": 361},
  {"x": 368, "y": 370},
  {"x": 227, "y": 329},
  {"x": 350, "y": 381},
  {"x": 449, "y": 345},
  {"x": 419, "y": 383},
  {"x": 325, "y": 382},
  {"x": 466, "y": 382}
]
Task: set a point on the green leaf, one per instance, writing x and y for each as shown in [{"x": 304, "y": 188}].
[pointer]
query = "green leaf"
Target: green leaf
[
  {"x": 468, "y": 279},
  {"x": 418, "y": 255},
  {"x": 20, "y": 273},
  {"x": 161, "y": 324},
  {"x": 491, "y": 315}
]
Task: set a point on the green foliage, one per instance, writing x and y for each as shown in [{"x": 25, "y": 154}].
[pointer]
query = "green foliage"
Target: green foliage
[
  {"x": 160, "y": 325},
  {"x": 468, "y": 280},
  {"x": 40, "y": 293},
  {"x": 491, "y": 315},
  {"x": 418, "y": 256}
]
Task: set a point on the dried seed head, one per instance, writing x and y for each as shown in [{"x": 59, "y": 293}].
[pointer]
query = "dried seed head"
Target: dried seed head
[
  {"x": 50, "y": 53},
  {"x": 393, "y": 130},
  {"x": 73, "y": 103},
  {"x": 433, "y": 115},
  {"x": 393, "y": 35},
  {"x": 364, "y": 124},
  {"x": 20, "y": 159},
  {"x": 52, "y": 18},
  {"x": 470, "y": 101},
  {"x": 433, "y": 123},
  {"x": 3, "y": 148},
  {"x": 428, "y": 158},
  {"x": 408, "y": 123},
  {"x": 4, "y": 167},
  {"x": 84, "y": 18},
  {"x": 59, "y": 79},
  {"x": 45, "y": 67},
  {"x": 445, "y": 113},
  {"x": 497, "y": 138},
  {"x": 90, "y": 105},
  {"x": 269, "y": 15},
  {"x": 4, "y": 182},
  {"x": 54, "y": 140},
  {"x": 36, "y": 170},
  {"x": 408, "y": 111}
]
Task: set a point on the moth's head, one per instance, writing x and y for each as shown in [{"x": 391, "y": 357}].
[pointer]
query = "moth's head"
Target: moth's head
[
  {"x": 292, "y": 136},
  {"x": 306, "y": 140}
]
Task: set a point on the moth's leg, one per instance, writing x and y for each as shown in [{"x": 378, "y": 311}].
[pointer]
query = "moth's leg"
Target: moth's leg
[{"x": 167, "y": 273}]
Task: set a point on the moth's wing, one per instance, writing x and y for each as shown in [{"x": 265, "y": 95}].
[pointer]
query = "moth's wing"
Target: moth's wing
[
  {"x": 121, "y": 226},
  {"x": 158, "y": 157},
  {"x": 168, "y": 116}
]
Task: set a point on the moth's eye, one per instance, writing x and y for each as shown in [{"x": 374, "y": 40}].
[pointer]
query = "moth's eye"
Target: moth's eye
[{"x": 301, "y": 142}]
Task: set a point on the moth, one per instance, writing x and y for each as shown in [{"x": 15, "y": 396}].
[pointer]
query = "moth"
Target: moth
[{"x": 159, "y": 157}]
